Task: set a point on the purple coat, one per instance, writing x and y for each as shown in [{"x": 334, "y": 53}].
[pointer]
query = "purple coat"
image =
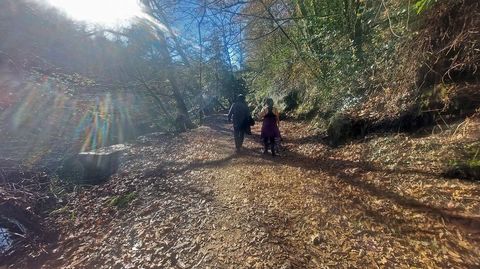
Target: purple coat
[{"x": 269, "y": 126}]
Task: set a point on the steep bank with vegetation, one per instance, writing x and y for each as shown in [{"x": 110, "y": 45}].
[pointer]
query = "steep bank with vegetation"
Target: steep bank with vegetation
[{"x": 356, "y": 67}]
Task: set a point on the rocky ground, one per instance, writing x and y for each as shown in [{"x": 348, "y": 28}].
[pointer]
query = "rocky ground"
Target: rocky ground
[{"x": 188, "y": 201}]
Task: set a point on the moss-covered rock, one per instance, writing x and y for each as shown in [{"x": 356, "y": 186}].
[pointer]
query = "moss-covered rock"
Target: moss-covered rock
[{"x": 340, "y": 128}]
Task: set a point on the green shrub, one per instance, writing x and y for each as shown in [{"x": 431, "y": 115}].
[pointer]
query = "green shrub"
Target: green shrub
[{"x": 122, "y": 201}]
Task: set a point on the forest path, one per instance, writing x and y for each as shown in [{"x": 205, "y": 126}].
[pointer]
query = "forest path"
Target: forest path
[{"x": 196, "y": 204}]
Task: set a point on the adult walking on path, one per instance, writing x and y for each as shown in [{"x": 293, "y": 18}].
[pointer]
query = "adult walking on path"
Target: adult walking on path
[{"x": 240, "y": 113}]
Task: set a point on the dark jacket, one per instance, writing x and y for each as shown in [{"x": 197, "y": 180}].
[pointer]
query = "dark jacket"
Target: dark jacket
[{"x": 241, "y": 115}]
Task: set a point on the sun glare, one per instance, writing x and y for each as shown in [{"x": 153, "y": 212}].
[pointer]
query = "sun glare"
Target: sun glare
[{"x": 105, "y": 12}]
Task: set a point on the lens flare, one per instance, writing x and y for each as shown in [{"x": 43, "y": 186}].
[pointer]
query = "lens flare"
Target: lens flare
[
  {"x": 43, "y": 119},
  {"x": 106, "y": 12}
]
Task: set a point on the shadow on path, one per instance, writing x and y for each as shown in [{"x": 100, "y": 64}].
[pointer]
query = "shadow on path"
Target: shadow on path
[
  {"x": 347, "y": 172},
  {"x": 337, "y": 169}
]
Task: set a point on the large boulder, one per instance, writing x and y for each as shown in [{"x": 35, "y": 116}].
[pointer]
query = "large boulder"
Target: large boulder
[
  {"x": 340, "y": 129},
  {"x": 93, "y": 167}
]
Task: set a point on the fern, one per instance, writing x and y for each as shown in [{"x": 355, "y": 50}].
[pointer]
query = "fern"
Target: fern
[{"x": 421, "y": 5}]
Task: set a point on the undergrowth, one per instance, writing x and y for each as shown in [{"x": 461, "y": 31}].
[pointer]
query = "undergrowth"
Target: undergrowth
[
  {"x": 123, "y": 200},
  {"x": 468, "y": 165}
]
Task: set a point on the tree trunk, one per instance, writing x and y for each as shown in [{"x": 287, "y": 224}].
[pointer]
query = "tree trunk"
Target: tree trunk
[{"x": 177, "y": 94}]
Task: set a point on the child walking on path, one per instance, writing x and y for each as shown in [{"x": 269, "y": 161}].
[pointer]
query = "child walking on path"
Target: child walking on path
[{"x": 270, "y": 130}]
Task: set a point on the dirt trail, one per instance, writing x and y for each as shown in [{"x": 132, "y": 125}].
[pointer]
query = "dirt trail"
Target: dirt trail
[{"x": 195, "y": 204}]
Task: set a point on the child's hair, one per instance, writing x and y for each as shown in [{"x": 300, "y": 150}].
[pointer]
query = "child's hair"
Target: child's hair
[{"x": 269, "y": 102}]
